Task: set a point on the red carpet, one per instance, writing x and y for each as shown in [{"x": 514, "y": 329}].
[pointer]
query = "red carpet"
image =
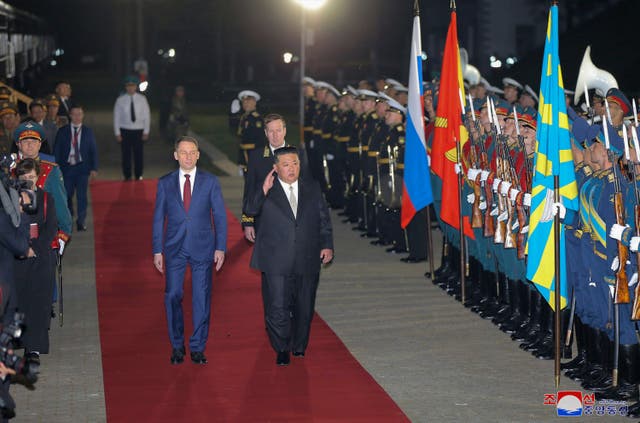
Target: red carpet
[{"x": 241, "y": 383}]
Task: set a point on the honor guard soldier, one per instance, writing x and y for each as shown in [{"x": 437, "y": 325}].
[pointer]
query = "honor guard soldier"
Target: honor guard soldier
[
  {"x": 10, "y": 121},
  {"x": 324, "y": 146},
  {"x": 528, "y": 98},
  {"x": 354, "y": 150},
  {"x": 390, "y": 166},
  {"x": 28, "y": 137},
  {"x": 512, "y": 90},
  {"x": 369, "y": 122},
  {"x": 341, "y": 135},
  {"x": 308, "y": 86},
  {"x": 250, "y": 130}
]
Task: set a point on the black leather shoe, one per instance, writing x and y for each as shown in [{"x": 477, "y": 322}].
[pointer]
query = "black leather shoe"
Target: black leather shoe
[
  {"x": 198, "y": 357},
  {"x": 412, "y": 259},
  {"x": 298, "y": 354},
  {"x": 177, "y": 355},
  {"x": 81, "y": 228},
  {"x": 283, "y": 359}
]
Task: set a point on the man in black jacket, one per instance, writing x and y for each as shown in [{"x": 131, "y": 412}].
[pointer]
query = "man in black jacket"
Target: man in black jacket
[{"x": 294, "y": 239}]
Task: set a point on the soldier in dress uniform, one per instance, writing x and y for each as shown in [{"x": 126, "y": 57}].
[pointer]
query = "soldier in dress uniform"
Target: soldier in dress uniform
[
  {"x": 512, "y": 90},
  {"x": 308, "y": 85},
  {"x": 528, "y": 98},
  {"x": 366, "y": 132},
  {"x": 10, "y": 121},
  {"x": 354, "y": 151},
  {"x": 341, "y": 136},
  {"x": 328, "y": 150},
  {"x": 250, "y": 129},
  {"x": 28, "y": 136}
]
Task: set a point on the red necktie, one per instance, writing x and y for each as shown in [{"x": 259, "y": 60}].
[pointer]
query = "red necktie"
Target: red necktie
[
  {"x": 73, "y": 159},
  {"x": 186, "y": 193}
]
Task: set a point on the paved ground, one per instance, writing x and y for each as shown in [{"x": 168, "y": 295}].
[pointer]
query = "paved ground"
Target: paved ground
[{"x": 438, "y": 361}]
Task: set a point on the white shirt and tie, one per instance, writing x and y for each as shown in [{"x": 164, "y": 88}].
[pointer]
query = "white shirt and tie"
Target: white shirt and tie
[
  {"x": 183, "y": 179},
  {"x": 291, "y": 191},
  {"x": 122, "y": 116},
  {"x": 74, "y": 150}
]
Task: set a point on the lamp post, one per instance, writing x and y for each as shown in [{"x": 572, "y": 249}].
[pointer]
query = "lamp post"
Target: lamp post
[{"x": 306, "y": 5}]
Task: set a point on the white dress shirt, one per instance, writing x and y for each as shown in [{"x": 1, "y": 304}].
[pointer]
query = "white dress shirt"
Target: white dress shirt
[
  {"x": 72, "y": 152},
  {"x": 287, "y": 191},
  {"x": 182, "y": 179},
  {"x": 122, "y": 113}
]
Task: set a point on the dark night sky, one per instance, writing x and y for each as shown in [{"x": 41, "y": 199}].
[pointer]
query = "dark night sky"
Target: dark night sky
[{"x": 361, "y": 38}]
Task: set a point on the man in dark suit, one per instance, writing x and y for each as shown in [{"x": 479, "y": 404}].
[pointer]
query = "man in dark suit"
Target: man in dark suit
[
  {"x": 186, "y": 200},
  {"x": 77, "y": 155},
  {"x": 294, "y": 238}
]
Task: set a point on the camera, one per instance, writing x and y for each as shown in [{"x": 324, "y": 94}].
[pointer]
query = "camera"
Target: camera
[
  {"x": 8, "y": 162},
  {"x": 9, "y": 337}
]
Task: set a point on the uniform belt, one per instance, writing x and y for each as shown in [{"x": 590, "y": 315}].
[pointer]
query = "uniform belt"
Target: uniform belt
[
  {"x": 372, "y": 154},
  {"x": 365, "y": 148},
  {"x": 383, "y": 161},
  {"x": 317, "y": 131},
  {"x": 400, "y": 166},
  {"x": 342, "y": 139},
  {"x": 307, "y": 128},
  {"x": 326, "y": 136},
  {"x": 353, "y": 149},
  {"x": 247, "y": 146}
]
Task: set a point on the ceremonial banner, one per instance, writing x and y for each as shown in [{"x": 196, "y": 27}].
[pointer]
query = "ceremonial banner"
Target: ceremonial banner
[
  {"x": 552, "y": 158},
  {"x": 450, "y": 130},
  {"x": 416, "y": 190}
]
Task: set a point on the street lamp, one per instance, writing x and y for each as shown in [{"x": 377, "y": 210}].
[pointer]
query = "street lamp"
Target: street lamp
[{"x": 306, "y": 5}]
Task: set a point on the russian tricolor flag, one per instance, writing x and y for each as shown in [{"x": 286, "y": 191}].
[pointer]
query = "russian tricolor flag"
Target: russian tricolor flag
[{"x": 416, "y": 192}]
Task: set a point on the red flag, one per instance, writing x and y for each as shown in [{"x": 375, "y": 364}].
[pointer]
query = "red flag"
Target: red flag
[{"x": 449, "y": 129}]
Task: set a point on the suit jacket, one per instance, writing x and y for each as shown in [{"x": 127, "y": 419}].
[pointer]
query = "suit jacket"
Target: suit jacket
[
  {"x": 260, "y": 164},
  {"x": 195, "y": 232},
  {"x": 88, "y": 148},
  {"x": 286, "y": 244}
]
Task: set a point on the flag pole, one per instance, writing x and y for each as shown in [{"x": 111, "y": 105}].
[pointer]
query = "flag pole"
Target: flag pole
[
  {"x": 463, "y": 243},
  {"x": 430, "y": 240},
  {"x": 556, "y": 229}
]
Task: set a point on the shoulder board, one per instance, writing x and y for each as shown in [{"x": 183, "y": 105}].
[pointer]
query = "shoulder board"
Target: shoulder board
[
  {"x": 610, "y": 177},
  {"x": 374, "y": 115},
  {"x": 400, "y": 128},
  {"x": 255, "y": 114},
  {"x": 267, "y": 151},
  {"x": 259, "y": 124},
  {"x": 47, "y": 163},
  {"x": 334, "y": 108}
]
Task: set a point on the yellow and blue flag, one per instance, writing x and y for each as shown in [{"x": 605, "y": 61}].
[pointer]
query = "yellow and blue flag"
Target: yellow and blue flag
[{"x": 552, "y": 158}]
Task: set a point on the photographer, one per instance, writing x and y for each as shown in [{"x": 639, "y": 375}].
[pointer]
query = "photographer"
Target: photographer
[
  {"x": 14, "y": 242},
  {"x": 33, "y": 275}
]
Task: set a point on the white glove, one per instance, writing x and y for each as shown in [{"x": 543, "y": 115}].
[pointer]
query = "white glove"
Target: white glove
[
  {"x": 513, "y": 194},
  {"x": 473, "y": 174},
  {"x": 527, "y": 200},
  {"x": 62, "y": 244},
  {"x": 496, "y": 182},
  {"x": 235, "y": 106},
  {"x": 240, "y": 171},
  {"x": 429, "y": 160},
  {"x": 471, "y": 198},
  {"x": 483, "y": 206},
  {"x": 559, "y": 208},
  {"x": 457, "y": 168},
  {"x": 504, "y": 188},
  {"x": 484, "y": 175},
  {"x": 616, "y": 231},
  {"x": 634, "y": 279},
  {"x": 311, "y": 144},
  {"x": 503, "y": 216},
  {"x": 633, "y": 244},
  {"x": 494, "y": 212},
  {"x": 615, "y": 264},
  {"x": 525, "y": 229},
  {"x": 515, "y": 225},
  {"x": 330, "y": 157}
]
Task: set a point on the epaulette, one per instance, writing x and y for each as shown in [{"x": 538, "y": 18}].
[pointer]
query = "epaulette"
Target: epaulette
[
  {"x": 267, "y": 151},
  {"x": 375, "y": 116},
  {"x": 610, "y": 177},
  {"x": 255, "y": 114},
  {"x": 334, "y": 108},
  {"x": 48, "y": 163},
  {"x": 400, "y": 127}
]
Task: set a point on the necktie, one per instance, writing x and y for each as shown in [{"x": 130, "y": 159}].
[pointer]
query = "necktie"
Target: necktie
[
  {"x": 133, "y": 111},
  {"x": 74, "y": 147},
  {"x": 186, "y": 192},
  {"x": 293, "y": 202}
]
